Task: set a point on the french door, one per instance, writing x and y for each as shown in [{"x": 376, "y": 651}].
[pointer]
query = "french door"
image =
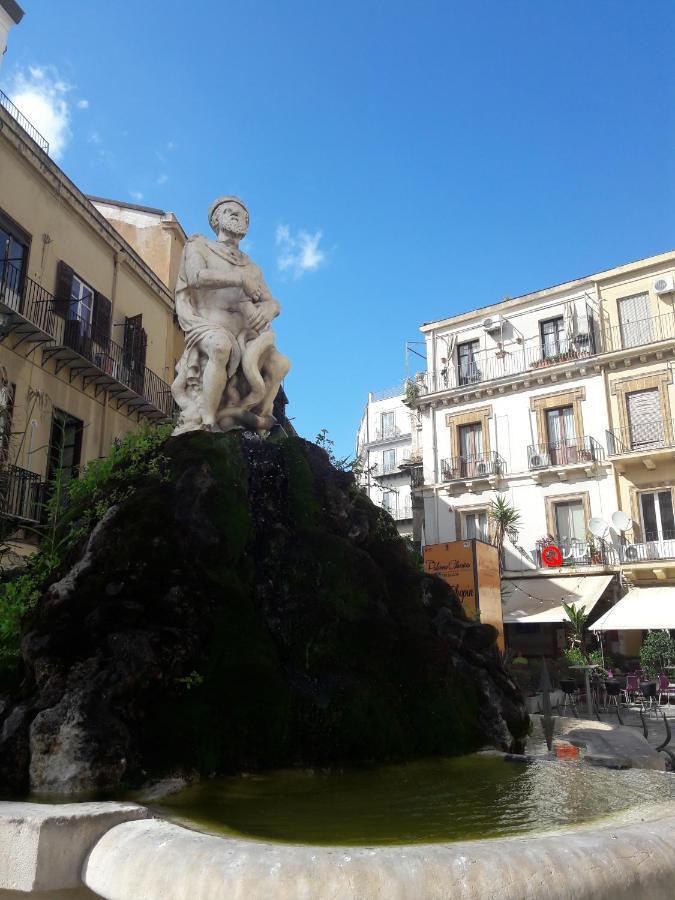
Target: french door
[
  {"x": 470, "y": 449},
  {"x": 562, "y": 442},
  {"x": 657, "y": 515}
]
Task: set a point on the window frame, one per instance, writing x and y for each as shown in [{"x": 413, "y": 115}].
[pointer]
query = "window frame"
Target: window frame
[
  {"x": 470, "y": 377},
  {"x": 657, "y": 508},
  {"x": 559, "y": 336}
]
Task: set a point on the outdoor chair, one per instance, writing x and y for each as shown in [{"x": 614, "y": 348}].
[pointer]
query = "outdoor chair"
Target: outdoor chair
[
  {"x": 613, "y": 691},
  {"x": 665, "y": 689},
  {"x": 571, "y": 693},
  {"x": 648, "y": 692},
  {"x": 632, "y": 688}
]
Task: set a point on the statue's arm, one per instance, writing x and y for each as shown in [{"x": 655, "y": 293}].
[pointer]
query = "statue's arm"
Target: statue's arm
[{"x": 199, "y": 275}]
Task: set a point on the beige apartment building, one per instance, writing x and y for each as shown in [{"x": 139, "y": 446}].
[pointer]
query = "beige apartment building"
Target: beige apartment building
[{"x": 88, "y": 340}]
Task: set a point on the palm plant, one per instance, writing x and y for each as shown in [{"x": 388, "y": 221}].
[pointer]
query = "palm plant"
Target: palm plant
[
  {"x": 506, "y": 521},
  {"x": 577, "y": 619}
]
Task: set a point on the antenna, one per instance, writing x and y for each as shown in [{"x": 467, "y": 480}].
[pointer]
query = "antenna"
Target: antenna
[
  {"x": 598, "y": 527},
  {"x": 621, "y": 521}
]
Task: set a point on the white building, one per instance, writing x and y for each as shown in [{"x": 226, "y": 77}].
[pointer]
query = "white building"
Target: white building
[
  {"x": 561, "y": 401},
  {"x": 384, "y": 448}
]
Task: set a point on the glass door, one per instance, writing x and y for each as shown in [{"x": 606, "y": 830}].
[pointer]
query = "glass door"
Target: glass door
[
  {"x": 470, "y": 449},
  {"x": 476, "y": 525},
  {"x": 562, "y": 443},
  {"x": 570, "y": 524},
  {"x": 468, "y": 366},
  {"x": 553, "y": 338},
  {"x": 657, "y": 516}
]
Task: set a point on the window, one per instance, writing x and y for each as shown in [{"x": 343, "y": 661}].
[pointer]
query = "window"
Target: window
[
  {"x": 657, "y": 515},
  {"x": 82, "y": 301},
  {"x": 65, "y": 446},
  {"x": 388, "y": 460},
  {"x": 387, "y": 424},
  {"x": 645, "y": 423},
  {"x": 553, "y": 339},
  {"x": 476, "y": 525},
  {"x": 13, "y": 258},
  {"x": 389, "y": 500},
  {"x": 570, "y": 522},
  {"x": 635, "y": 320},
  {"x": 467, "y": 359},
  {"x": 562, "y": 443},
  {"x": 470, "y": 449}
]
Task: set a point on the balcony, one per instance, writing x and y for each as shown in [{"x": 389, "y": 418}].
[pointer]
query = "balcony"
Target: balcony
[
  {"x": 641, "y": 333},
  {"x": 388, "y": 468},
  {"x": 481, "y": 467},
  {"x": 416, "y": 477},
  {"x": 509, "y": 359},
  {"x": 21, "y": 495},
  {"x": 389, "y": 434},
  {"x": 27, "y": 314},
  {"x": 577, "y": 553},
  {"x": 400, "y": 513},
  {"x": 561, "y": 456},
  {"x": 642, "y": 441}
]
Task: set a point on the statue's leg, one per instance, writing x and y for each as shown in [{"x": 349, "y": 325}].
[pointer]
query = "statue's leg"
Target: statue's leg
[
  {"x": 217, "y": 347},
  {"x": 274, "y": 369}
]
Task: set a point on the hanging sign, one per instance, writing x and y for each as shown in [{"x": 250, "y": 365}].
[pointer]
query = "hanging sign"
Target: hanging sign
[{"x": 551, "y": 556}]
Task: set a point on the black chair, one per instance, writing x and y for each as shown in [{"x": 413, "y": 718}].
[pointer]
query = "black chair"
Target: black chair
[
  {"x": 613, "y": 693},
  {"x": 570, "y": 690},
  {"x": 649, "y": 696}
]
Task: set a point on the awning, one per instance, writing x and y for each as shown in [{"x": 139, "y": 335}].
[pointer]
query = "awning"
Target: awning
[
  {"x": 640, "y": 608},
  {"x": 531, "y": 600}
]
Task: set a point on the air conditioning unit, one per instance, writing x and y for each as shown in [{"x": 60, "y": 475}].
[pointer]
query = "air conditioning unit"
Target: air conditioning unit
[
  {"x": 539, "y": 461},
  {"x": 493, "y": 323},
  {"x": 482, "y": 468},
  {"x": 664, "y": 285}
]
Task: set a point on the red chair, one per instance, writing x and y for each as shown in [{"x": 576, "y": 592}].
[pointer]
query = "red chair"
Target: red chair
[
  {"x": 632, "y": 689},
  {"x": 665, "y": 689}
]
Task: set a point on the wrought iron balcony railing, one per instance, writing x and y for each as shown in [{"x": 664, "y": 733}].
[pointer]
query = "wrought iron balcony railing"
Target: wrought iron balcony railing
[
  {"x": 655, "y": 434},
  {"x": 417, "y": 477},
  {"x": 564, "y": 453},
  {"x": 21, "y": 495},
  {"x": 109, "y": 363},
  {"x": 27, "y": 126},
  {"x": 400, "y": 513},
  {"x": 578, "y": 553},
  {"x": 390, "y": 434},
  {"x": 651, "y": 330},
  {"x": 484, "y": 465},
  {"x": 649, "y": 550}
]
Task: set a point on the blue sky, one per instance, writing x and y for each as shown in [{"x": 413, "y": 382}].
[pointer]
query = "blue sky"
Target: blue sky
[{"x": 402, "y": 162}]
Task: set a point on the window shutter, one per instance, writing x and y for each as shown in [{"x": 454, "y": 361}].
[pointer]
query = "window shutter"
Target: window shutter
[
  {"x": 64, "y": 286},
  {"x": 644, "y": 415},
  {"x": 102, "y": 316}
]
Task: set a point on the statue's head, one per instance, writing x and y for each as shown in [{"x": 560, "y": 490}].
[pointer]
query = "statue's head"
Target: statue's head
[{"x": 229, "y": 214}]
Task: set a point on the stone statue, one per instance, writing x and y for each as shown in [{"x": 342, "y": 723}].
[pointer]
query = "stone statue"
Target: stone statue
[{"x": 230, "y": 371}]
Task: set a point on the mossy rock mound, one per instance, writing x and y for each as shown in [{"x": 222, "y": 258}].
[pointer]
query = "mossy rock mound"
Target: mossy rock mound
[{"x": 246, "y": 608}]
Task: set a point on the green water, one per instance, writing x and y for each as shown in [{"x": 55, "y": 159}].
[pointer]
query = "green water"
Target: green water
[{"x": 424, "y": 801}]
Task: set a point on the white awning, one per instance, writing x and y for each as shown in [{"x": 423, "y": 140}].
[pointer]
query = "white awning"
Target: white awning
[
  {"x": 538, "y": 600},
  {"x": 640, "y": 608}
]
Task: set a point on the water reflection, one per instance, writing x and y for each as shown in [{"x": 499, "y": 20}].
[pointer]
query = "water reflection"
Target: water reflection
[{"x": 423, "y": 801}]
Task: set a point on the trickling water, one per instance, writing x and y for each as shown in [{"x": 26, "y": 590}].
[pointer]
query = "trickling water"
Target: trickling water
[{"x": 428, "y": 800}]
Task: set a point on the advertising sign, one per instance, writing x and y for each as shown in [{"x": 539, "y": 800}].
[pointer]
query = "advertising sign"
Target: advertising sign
[{"x": 454, "y": 563}]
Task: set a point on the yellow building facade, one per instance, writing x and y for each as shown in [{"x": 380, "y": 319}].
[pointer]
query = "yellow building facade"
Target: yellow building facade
[{"x": 88, "y": 338}]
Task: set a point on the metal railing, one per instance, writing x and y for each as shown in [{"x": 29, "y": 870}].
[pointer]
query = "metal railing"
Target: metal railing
[
  {"x": 21, "y": 494},
  {"x": 390, "y": 434},
  {"x": 655, "y": 434},
  {"x": 387, "y": 468},
  {"x": 24, "y": 296},
  {"x": 417, "y": 477},
  {"x": 651, "y": 330},
  {"x": 27, "y": 126},
  {"x": 574, "y": 451},
  {"x": 400, "y": 513},
  {"x": 648, "y": 550},
  {"x": 389, "y": 393},
  {"x": 481, "y": 465},
  {"x": 578, "y": 553}
]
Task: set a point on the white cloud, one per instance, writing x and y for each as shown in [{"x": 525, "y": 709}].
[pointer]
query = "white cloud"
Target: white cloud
[
  {"x": 300, "y": 253},
  {"x": 94, "y": 138},
  {"x": 82, "y": 104},
  {"x": 162, "y": 179},
  {"x": 42, "y": 96},
  {"x": 136, "y": 195}
]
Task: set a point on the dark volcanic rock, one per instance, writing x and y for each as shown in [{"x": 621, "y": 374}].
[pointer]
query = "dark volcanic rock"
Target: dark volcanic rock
[{"x": 251, "y": 610}]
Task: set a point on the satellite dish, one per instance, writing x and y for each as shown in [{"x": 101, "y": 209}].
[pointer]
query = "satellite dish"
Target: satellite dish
[
  {"x": 621, "y": 521},
  {"x": 598, "y": 527}
]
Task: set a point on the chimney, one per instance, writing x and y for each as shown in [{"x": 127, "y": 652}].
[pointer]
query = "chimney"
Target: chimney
[{"x": 10, "y": 14}]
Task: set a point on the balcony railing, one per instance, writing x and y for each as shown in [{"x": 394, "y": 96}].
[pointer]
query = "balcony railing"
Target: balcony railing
[
  {"x": 27, "y": 126},
  {"x": 648, "y": 551},
  {"x": 655, "y": 434},
  {"x": 484, "y": 465},
  {"x": 390, "y": 434},
  {"x": 21, "y": 495},
  {"x": 111, "y": 362},
  {"x": 513, "y": 358},
  {"x": 400, "y": 513},
  {"x": 564, "y": 453},
  {"x": 579, "y": 553},
  {"x": 417, "y": 477}
]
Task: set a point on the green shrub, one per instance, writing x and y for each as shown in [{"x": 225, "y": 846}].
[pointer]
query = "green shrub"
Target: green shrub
[{"x": 657, "y": 651}]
